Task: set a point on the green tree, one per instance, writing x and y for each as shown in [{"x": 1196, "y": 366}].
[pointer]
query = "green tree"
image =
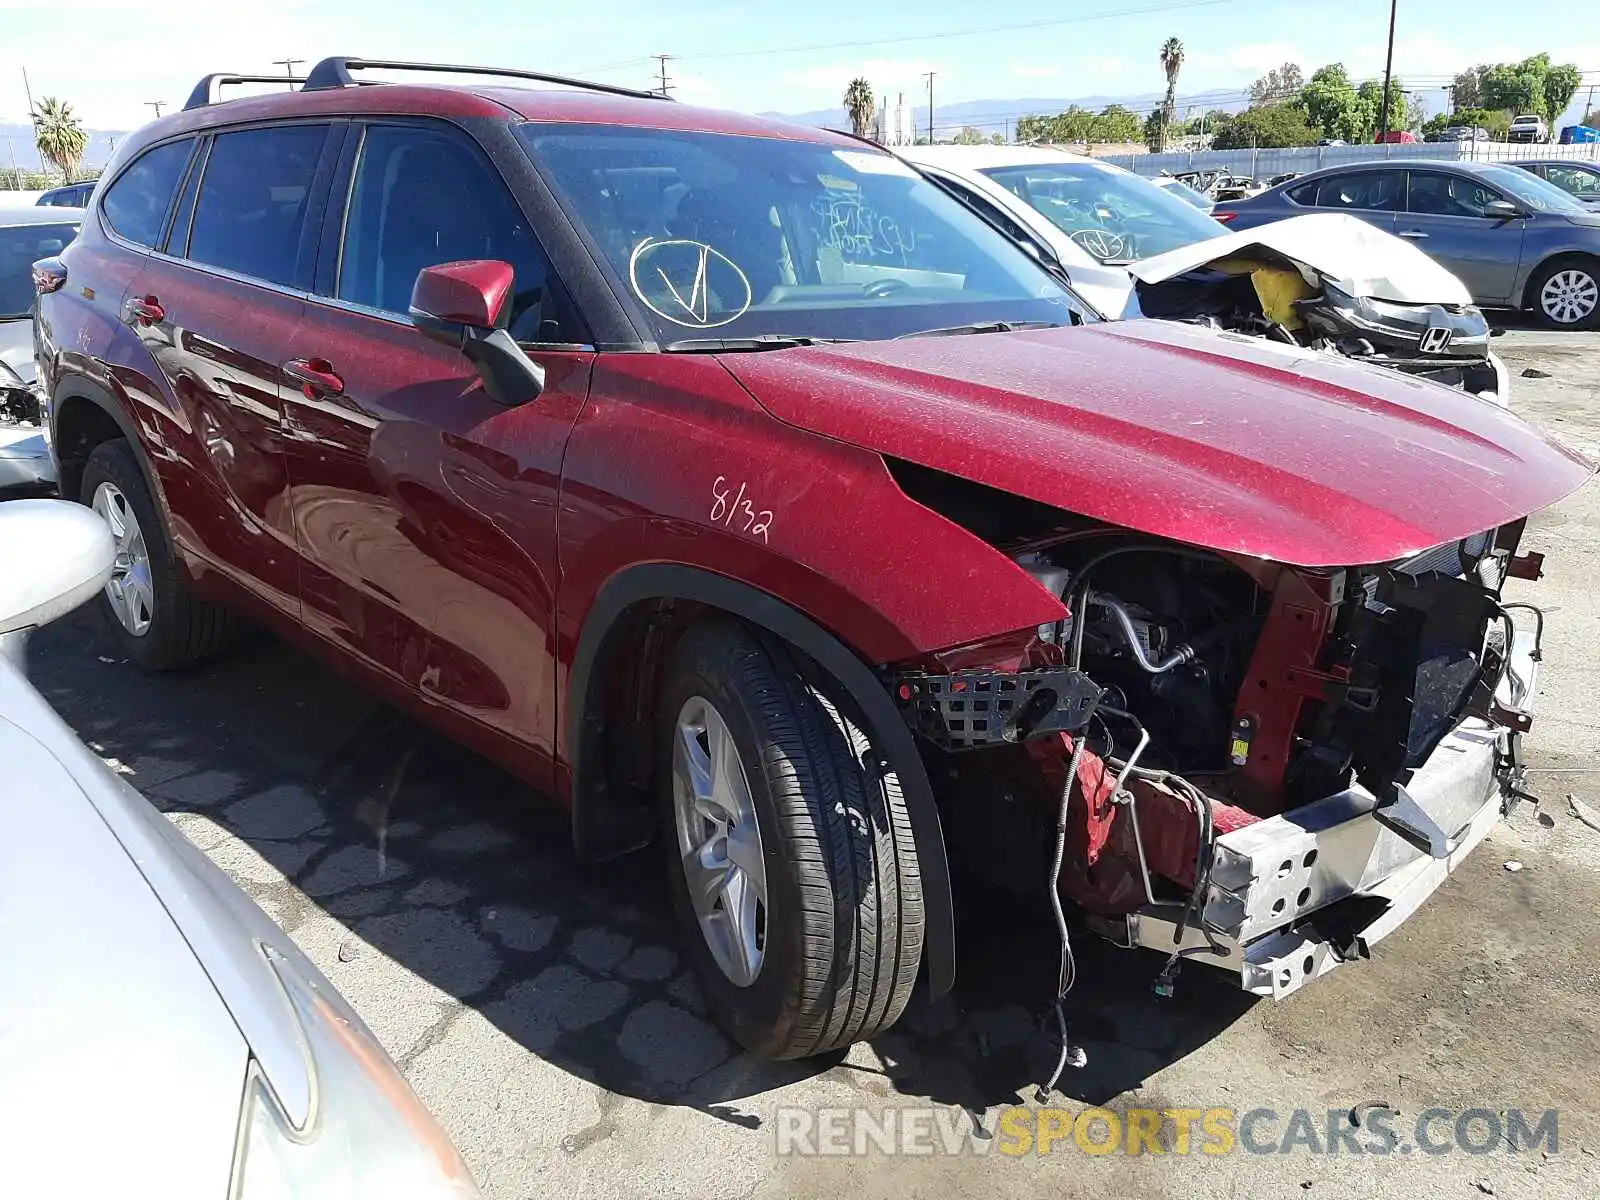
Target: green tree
[
  {"x": 1560, "y": 86},
  {"x": 1277, "y": 85},
  {"x": 1371, "y": 95},
  {"x": 1466, "y": 91},
  {"x": 859, "y": 106},
  {"x": 1334, "y": 106},
  {"x": 1034, "y": 129},
  {"x": 997, "y": 139},
  {"x": 59, "y": 135},
  {"x": 1114, "y": 123},
  {"x": 1267, "y": 125},
  {"x": 1437, "y": 123},
  {"x": 1512, "y": 86},
  {"x": 1155, "y": 131},
  {"x": 1171, "y": 63},
  {"x": 968, "y": 136},
  {"x": 1416, "y": 112}
]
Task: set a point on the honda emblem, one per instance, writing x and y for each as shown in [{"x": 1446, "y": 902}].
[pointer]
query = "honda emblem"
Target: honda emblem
[{"x": 1435, "y": 340}]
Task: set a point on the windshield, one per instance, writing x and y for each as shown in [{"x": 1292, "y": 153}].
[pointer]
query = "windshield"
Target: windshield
[
  {"x": 1183, "y": 191},
  {"x": 20, "y": 247},
  {"x": 726, "y": 236},
  {"x": 1538, "y": 194},
  {"x": 1115, "y": 216}
]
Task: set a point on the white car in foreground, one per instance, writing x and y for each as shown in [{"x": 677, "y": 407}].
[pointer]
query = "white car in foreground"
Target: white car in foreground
[
  {"x": 1131, "y": 248},
  {"x": 159, "y": 1036}
]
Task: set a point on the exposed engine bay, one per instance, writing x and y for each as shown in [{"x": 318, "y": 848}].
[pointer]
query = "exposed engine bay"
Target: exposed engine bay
[
  {"x": 1190, "y": 695},
  {"x": 1306, "y": 282}
]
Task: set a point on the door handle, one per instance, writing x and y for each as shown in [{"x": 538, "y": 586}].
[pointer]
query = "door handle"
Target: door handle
[
  {"x": 1412, "y": 233},
  {"x": 315, "y": 376},
  {"x": 144, "y": 310}
]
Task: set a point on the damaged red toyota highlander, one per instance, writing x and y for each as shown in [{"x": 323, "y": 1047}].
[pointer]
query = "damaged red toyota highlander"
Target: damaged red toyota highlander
[{"x": 738, "y": 487}]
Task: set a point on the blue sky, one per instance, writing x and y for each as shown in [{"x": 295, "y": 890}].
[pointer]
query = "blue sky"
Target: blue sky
[{"x": 108, "y": 57}]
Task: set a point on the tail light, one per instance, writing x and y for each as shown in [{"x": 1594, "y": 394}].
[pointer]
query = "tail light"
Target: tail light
[
  {"x": 1224, "y": 217},
  {"x": 49, "y": 274}
]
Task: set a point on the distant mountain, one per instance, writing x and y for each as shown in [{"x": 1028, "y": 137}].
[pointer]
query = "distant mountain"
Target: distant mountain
[
  {"x": 18, "y": 147},
  {"x": 999, "y": 116}
]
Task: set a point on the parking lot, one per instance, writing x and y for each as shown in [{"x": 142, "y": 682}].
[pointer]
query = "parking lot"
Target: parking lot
[{"x": 539, "y": 1008}]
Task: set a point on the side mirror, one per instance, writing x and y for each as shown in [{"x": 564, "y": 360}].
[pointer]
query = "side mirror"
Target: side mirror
[
  {"x": 1501, "y": 210},
  {"x": 465, "y": 305},
  {"x": 56, "y": 554}
]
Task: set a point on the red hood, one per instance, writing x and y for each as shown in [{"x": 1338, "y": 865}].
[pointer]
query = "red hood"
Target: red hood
[{"x": 1217, "y": 440}]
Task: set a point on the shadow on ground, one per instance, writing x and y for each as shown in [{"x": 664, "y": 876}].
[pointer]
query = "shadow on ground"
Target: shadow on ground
[{"x": 461, "y": 876}]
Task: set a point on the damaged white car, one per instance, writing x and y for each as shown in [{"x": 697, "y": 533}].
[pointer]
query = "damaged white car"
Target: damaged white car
[{"x": 1323, "y": 282}]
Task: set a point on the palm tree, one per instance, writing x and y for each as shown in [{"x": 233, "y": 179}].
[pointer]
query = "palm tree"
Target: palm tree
[
  {"x": 859, "y": 105},
  {"x": 1171, "y": 63},
  {"x": 59, "y": 135}
]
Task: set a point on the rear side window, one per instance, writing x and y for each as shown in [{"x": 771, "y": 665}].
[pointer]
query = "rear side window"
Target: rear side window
[
  {"x": 136, "y": 205},
  {"x": 1378, "y": 190},
  {"x": 1305, "y": 194},
  {"x": 250, "y": 216}
]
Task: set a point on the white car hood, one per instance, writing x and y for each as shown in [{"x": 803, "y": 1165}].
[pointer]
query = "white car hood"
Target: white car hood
[
  {"x": 121, "y": 1070},
  {"x": 1351, "y": 254}
]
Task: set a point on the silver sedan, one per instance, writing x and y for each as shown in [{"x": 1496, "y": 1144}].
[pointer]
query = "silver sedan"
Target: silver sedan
[{"x": 159, "y": 1036}]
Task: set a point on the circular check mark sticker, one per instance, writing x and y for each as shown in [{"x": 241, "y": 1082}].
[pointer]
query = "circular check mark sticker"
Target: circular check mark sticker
[{"x": 688, "y": 283}]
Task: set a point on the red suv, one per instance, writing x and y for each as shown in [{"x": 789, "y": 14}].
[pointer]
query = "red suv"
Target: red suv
[{"x": 733, "y": 484}]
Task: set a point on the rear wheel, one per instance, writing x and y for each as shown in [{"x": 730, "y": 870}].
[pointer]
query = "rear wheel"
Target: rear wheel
[
  {"x": 1566, "y": 293},
  {"x": 146, "y": 607},
  {"x": 793, "y": 871}
]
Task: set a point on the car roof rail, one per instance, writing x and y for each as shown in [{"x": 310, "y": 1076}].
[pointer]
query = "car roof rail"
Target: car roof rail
[
  {"x": 336, "y": 73},
  {"x": 209, "y": 90}
]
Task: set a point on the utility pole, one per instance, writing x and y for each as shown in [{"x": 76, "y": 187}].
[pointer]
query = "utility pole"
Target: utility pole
[
  {"x": 929, "y": 76},
  {"x": 158, "y": 105},
  {"x": 665, "y": 84},
  {"x": 288, "y": 65},
  {"x": 33, "y": 117},
  {"x": 1388, "y": 70}
]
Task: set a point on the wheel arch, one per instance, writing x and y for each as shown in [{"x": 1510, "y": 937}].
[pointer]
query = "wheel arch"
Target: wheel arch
[
  {"x": 83, "y": 415},
  {"x": 1528, "y": 301},
  {"x": 628, "y": 607}
]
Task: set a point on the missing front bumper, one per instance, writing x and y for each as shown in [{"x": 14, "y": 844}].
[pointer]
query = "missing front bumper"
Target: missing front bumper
[{"x": 1297, "y": 895}]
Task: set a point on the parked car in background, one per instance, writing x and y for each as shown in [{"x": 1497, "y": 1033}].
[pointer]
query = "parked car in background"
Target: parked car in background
[
  {"x": 1515, "y": 240},
  {"x": 1342, "y": 264},
  {"x": 74, "y": 195},
  {"x": 1462, "y": 133},
  {"x": 162, "y": 1036},
  {"x": 26, "y": 234},
  {"x": 1581, "y": 180},
  {"x": 1092, "y": 217},
  {"x": 533, "y": 409},
  {"x": 1396, "y": 136},
  {"x": 1184, "y": 192},
  {"x": 1528, "y": 128}
]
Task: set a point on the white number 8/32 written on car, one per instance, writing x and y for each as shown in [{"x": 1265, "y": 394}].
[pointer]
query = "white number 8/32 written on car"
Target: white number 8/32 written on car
[{"x": 734, "y": 510}]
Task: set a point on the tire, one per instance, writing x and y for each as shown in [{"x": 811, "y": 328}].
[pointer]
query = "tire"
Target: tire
[
  {"x": 1565, "y": 293},
  {"x": 840, "y": 931},
  {"x": 169, "y": 627}
]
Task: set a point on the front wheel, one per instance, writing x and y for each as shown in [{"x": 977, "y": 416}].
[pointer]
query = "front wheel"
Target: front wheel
[
  {"x": 1566, "y": 293},
  {"x": 793, "y": 871}
]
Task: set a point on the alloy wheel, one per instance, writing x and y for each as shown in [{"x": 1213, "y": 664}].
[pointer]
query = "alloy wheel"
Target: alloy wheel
[
  {"x": 131, "y": 589},
  {"x": 1569, "y": 296},
  {"x": 719, "y": 840}
]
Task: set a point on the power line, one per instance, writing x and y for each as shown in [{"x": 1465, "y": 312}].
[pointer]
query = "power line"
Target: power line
[{"x": 968, "y": 32}]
